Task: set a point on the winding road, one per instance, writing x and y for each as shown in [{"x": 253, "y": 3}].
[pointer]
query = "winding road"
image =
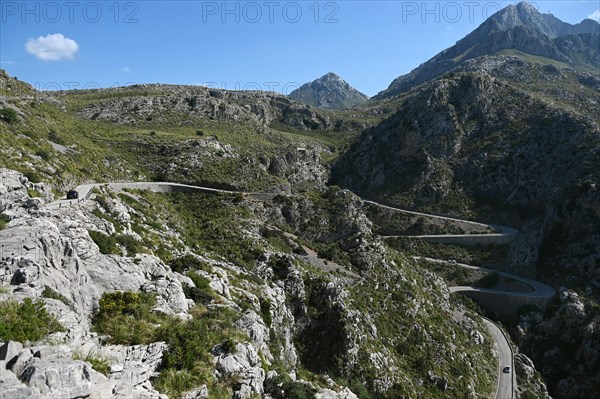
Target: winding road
[
  {"x": 538, "y": 289},
  {"x": 507, "y": 382},
  {"x": 161, "y": 187},
  {"x": 502, "y": 235},
  {"x": 540, "y": 294}
]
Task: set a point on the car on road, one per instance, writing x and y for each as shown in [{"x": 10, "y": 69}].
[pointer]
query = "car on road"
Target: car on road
[
  {"x": 72, "y": 194},
  {"x": 506, "y": 369}
]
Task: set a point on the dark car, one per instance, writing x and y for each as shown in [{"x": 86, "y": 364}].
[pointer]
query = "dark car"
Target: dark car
[
  {"x": 506, "y": 369},
  {"x": 72, "y": 194}
]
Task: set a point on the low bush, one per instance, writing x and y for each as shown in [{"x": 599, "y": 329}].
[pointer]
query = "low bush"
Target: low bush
[
  {"x": 106, "y": 244},
  {"x": 280, "y": 267},
  {"x": 99, "y": 363},
  {"x": 44, "y": 154},
  {"x": 276, "y": 239},
  {"x": 265, "y": 311},
  {"x": 284, "y": 388},
  {"x": 202, "y": 293},
  {"x": 131, "y": 245},
  {"x": 32, "y": 193},
  {"x": 55, "y": 137},
  {"x": 26, "y": 321},
  {"x": 212, "y": 223},
  {"x": 189, "y": 262},
  {"x": 32, "y": 176},
  {"x": 127, "y": 318},
  {"x": 188, "y": 362},
  {"x": 360, "y": 390},
  {"x": 229, "y": 345},
  {"x": 50, "y": 293},
  {"x": 8, "y": 115},
  {"x": 4, "y": 220}
]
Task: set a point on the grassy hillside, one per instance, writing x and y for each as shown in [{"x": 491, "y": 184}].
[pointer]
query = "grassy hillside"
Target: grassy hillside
[{"x": 47, "y": 138}]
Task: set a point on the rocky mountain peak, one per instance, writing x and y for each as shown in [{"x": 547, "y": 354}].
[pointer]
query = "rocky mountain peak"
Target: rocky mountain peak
[
  {"x": 330, "y": 76},
  {"x": 329, "y": 92},
  {"x": 527, "y": 15},
  {"x": 514, "y": 30}
]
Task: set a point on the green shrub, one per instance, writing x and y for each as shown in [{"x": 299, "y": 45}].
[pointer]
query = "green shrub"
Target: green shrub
[
  {"x": 127, "y": 317},
  {"x": 106, "y": 244},
  {"x": 32, "y": 176},
  {"x": 55, "y": 137},
  {"x": 175, "y": 382},
  {"x": 189, "y": 262},
  {"x": 279, "y": 266},
  {"x": 50, "y": 293},
  {"x": 188, "y": 361},
  {"x": 4, "y": 220},
  {"x": 528, "y": 395},
  {"x": 199, "y": 133},
  {"x": 8, "y": 115},
  {"x": 276, "y": 239},
  {"x": 284, "y": 388},
  {"x": 131, "y": 245},
  {"x": 99, "y": 363},
  {"x": 202, "y": 293},
  {"x": 360, "y": 390},
  {"x": 211, "y": 223},
  {"x": 265, "y": 311},
  {"x": 396, "y": 391},
  {"x": 33, "y": 193},
  {"x": 229, "y": 345},
  {"x": 44, "y": 154},
  {"x": 26, "y": 321}
]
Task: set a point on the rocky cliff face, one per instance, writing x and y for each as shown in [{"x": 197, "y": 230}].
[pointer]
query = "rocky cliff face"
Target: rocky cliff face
[
  {"x": 297, "y": 315},
  {"x": 515, "y": 28},
  {"x": 329, "y": 92},
  {"x": 155, "y": 104},
  {"x": 479, "y": 137},
  {"x": 565, "y": 336},
  {"x": 463, "y": 127}
]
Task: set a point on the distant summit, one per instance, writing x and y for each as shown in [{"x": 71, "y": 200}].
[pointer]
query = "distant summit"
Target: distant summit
[
  {"x": 329, "y": 92},
  {"x": 515, "y": 30},
  {"x": 526, "y": 15}
]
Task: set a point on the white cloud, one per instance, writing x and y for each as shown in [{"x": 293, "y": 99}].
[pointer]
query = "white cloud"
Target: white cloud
[
  {"x": 126, "y": 69},
  {"x": 54, "y": 47},
  {"x": 595, "y": 15}
]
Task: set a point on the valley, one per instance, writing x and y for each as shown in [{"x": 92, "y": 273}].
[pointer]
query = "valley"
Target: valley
[{"x": 440, "y": 239}]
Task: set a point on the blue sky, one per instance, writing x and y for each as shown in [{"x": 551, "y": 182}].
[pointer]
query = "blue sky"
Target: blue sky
[{"x": 269, "y": 45}]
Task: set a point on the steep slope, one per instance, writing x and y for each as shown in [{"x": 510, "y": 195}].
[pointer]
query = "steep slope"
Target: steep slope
[
  {"x": 519, "y": 28},
  {"x": 329, "y": 92},
  {"x": 131, "y": 294},
  {"x": 503, "y": 139},
  {"x": 188, "y": 291},
  {"x": 433, "y": 138}
]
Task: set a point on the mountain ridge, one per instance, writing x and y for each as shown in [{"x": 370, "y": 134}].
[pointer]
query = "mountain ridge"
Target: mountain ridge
[{"x": 520, "y": 27}]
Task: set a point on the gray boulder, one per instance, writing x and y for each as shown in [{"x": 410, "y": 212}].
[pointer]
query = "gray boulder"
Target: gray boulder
[
  {"x": 64, "y": 378},
  {"x": 10, "y": 350},
  {"x": 246, "y": 365}
]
